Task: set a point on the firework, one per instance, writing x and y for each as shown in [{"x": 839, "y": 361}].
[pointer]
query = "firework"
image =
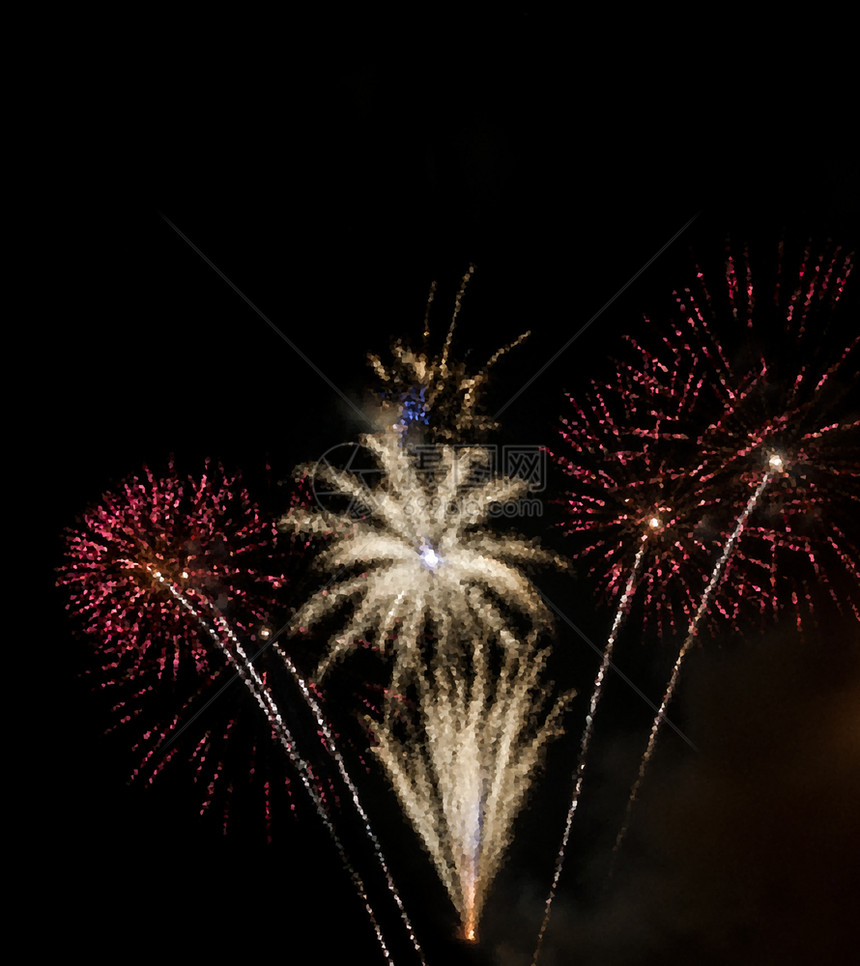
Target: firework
[
  {"x": 657, "y": 490},
  {"x": 140, "y": 569},
  {"x": 585, "y": 744},
  {"x": 796, "y": 552},
  {"x": 422, "y": 577},
  {"x": 786, "y": 423},
  {"x": 630, "y": 455},
  {"x": 204, "y": 534},
  {"x": 329, "y": 738},
  {"x": 648, "y": 523},
  {"x": 223, "y": 636},
  {"x": 413, "y": 562},
  {"x": 435, "y": 396},
  {"x": 462, "y": 766},
  {"x": 137, "y": 572},
  {"x": 679, "y": 437},
  {"x": 776, "y": 466}
]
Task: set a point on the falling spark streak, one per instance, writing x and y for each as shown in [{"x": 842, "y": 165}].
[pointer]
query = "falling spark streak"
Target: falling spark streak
[
  {"x": 585, "y": 741},
  {"x": 252, "y": 680},
  {"x": 353, "y": 791},
  {"x": 775, "y": 465}
]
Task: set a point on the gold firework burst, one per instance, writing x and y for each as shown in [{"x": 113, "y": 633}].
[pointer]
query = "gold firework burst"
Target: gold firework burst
[{"x": 423, "y": 561}]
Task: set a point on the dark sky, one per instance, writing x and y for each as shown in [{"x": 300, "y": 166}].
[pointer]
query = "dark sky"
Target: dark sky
[{"x": 330, "y": 191}]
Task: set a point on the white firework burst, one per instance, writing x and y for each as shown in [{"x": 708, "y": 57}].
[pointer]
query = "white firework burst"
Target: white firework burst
[{"x": 422, "y": 563}]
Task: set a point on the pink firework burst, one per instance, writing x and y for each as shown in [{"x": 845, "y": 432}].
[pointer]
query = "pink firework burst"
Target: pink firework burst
[
  {"x": 797, "y": 417},
  {"x": 664, "y": 455},
  {"x": 746, "y": 473},
  {"x": 634, "y": 500},
  {"x": 204, "y": 535},
  {"x": 783, "y": 444},
  {"x": 164, "y": 573}
]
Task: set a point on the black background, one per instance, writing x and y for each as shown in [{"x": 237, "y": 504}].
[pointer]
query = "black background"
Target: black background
[{"x": 331, "y": 183}]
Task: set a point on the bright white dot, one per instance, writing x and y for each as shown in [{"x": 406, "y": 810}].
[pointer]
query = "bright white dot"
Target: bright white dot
[
  {"x": 775, "y": 462},
  {"x": 429, "y": 557},
  {"x": 654, "y": 522}
]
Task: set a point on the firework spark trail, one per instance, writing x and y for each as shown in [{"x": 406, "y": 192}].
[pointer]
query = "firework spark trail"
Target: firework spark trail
[
  {"x": 194, "y": 539},
  {"x": 252, "y": 680},
  {"x": 261, "y": 693},
  {"x": 463, "y": 768},
  {"x": 775, "y": 467},
  {"x": 585, "y": 742},
  {"x": 353, "y": 791}
]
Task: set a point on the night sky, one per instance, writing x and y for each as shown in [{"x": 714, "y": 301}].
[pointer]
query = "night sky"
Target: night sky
[{"x": 331, "y": 191}]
